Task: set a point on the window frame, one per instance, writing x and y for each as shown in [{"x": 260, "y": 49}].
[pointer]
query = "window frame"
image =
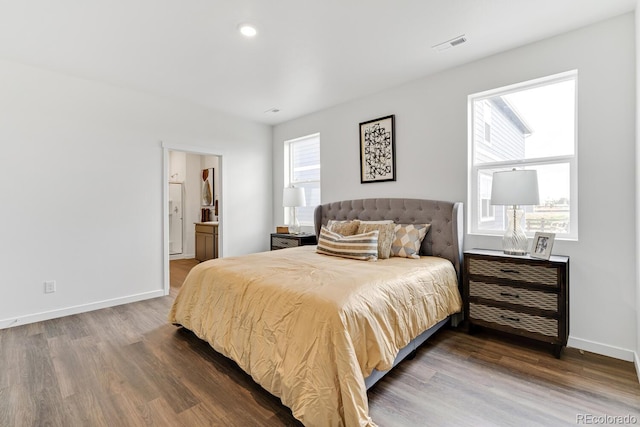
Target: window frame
[
  {"x": 288, "y": 174},
  {"x": 474, "y": 218},
  {"x": 490, "y": 207}
]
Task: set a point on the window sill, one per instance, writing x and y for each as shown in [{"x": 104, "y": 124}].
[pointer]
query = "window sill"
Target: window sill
[{"x": 529, "y": 236}]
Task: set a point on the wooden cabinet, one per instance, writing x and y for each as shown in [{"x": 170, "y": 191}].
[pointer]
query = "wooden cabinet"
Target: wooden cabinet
[
  {"x": 282, "y": 241},
  {"x": 518, "y": 295},
  {"x": 206, "y": 241}
]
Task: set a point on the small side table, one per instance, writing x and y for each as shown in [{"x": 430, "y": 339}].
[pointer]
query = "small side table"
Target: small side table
[{"x": 282, "y": 241}]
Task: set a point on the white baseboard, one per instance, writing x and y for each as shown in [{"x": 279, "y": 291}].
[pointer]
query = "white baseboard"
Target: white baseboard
[
  {"x": 603, "y": 349},
  {"x": 68, "y": 311},
  {"x": 636, "y": 361}
]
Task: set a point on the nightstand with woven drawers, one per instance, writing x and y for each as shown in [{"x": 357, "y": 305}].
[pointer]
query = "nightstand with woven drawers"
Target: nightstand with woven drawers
[{"x": 518, "y": 295}]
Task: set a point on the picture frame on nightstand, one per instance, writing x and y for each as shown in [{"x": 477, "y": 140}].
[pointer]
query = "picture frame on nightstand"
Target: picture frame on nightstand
[{"x": 542, "y": 245}]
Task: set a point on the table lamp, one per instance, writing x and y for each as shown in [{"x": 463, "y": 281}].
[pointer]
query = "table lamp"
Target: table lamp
[
  {"x": 293, "y": 197},
  {"x": 515, "y": 188}
]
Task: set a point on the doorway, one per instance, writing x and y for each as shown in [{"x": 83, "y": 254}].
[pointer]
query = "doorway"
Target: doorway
[{"x": 184, "y": 207}]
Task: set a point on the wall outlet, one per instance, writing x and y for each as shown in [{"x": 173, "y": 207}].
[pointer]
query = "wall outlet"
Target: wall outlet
[{"x": 49, "y": 286}]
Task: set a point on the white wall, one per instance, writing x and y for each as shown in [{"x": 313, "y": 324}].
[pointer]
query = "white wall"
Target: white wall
[
  {"x": 431, "y": 145},
  {"x": 177, "y": 166},
  {"x": 81, "y": 189}
]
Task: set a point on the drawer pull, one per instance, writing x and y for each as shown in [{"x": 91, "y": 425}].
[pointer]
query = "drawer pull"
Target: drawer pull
[
  {"x": 508, "y": 270},
  {"x": 507, "y": 294},
  {"x": 513, "y": 319}
]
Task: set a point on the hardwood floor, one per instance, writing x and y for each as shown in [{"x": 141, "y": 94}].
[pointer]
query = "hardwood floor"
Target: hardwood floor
[
  {"x": 178, "y": 270},
  {"x": 126, "y": 366}
]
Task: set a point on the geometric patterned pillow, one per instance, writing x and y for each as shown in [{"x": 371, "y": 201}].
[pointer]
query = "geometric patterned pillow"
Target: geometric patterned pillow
[
  {"x": 359, "y": 246},
  {"x": 346, "y": 228},
  {"x": 408, "y": 240}
]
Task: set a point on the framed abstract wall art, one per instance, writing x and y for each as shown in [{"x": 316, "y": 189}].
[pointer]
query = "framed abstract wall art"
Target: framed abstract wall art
[{"x": 378, "y": 150}]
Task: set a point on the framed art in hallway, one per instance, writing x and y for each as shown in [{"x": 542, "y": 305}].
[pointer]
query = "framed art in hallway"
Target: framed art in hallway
[{"x": 378, "y": 150}]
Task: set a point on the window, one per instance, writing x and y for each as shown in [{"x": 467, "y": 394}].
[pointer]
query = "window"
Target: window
[
  {"x": 486, "y": 118},
  {"x": 302, "y": 169},
  {"x": 531, "y": 125},
  {"x": 487, "y": 210}
]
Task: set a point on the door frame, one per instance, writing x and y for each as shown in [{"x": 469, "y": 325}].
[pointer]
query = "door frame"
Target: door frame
[{"x": 189, "y": 149}]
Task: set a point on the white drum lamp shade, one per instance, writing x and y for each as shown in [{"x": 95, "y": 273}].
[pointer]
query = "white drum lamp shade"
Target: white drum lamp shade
[
  {"x": 293, "y": 197},
  {"x": 515, "y": 187}
]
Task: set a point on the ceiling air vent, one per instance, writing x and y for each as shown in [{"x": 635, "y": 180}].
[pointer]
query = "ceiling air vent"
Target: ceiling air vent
[{"x": 450, "y": 43}]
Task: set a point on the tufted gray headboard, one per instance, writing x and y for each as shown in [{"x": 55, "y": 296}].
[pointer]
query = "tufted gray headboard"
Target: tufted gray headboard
[{"x": 444, "y": 239}]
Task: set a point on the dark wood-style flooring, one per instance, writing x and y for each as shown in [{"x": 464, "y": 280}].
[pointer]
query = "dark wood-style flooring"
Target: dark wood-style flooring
[{"x": 126, "y": 366}]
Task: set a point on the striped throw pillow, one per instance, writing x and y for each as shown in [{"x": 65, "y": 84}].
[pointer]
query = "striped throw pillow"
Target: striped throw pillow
[{"x": 359, "y": 246}]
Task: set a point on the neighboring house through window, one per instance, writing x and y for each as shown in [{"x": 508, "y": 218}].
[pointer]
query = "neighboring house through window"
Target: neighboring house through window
[
  {"x": 302, "y": 169},
  {"x": 531, "y": 125}
]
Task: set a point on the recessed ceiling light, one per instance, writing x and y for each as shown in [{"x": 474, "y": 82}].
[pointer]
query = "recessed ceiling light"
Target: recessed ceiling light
[{"x": 247, "y": 30}]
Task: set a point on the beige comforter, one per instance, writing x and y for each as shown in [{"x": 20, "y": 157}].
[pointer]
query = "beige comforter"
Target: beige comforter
[{"x": 309, "y": 328}]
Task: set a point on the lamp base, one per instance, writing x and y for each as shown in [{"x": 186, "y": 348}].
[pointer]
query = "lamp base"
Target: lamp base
[
  {"x": 294, "y": 227},
  {"x": 512, "y": 252},
  {"x": 514, "y": 241}
]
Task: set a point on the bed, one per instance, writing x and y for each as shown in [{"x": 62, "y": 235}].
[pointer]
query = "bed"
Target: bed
[{"x": 317, "y": 330}]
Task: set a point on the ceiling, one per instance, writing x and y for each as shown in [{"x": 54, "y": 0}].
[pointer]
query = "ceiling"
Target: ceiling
[{"x": 308, "y": 54}]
